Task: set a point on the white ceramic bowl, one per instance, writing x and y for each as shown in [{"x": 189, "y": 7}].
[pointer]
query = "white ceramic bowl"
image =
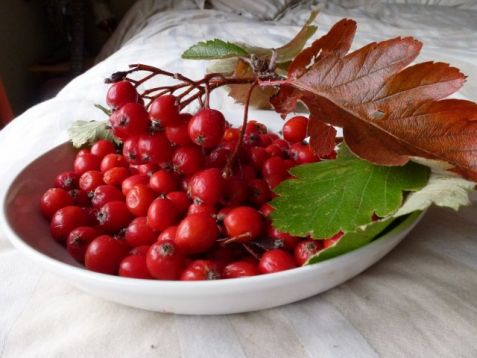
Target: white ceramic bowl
[{"x": 29, "y": 232}]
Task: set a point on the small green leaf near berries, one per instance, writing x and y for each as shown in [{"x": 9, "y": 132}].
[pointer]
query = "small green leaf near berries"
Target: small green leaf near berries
[
  {"x": 88, "y": 132},
  {"x": 352, "y": 241},
  {"x": 341, "y": 195},
  {"x": 213, "y": 50}
]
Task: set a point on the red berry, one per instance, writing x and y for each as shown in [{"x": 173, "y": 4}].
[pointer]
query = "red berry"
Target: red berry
[
  {"x": 114, "y": 216},
  {"x": 86, "y": 162},
  {"x": 200, "y": 270},
  {"x": 131, "y": 120},
  {"x": 165, "y": 261},
  {"x": 138, "y": 233},
  {"x": 131, "y": 150},
  {"x": 289, "y": 241},
  {"x": 168, "y": 235},
  {"x": 206, "y": 128},
  {"x": 206, "y": 187},
  {"x": 162, "y": 213},
  {"x": 179, "y": 134},
  {"x": 294, "y": 129},
  {"x": 332, "y": 240},
  {"x": 231, "y": 134},
  {"x": 258, "y": 156},
  {"x": 102, "y": 147},
  {"x": 217, "y": 158},
  {"x": 53, "y": 200},
  {"x": 147, "y": 168},
  {"x": 244, "y": 223},
  {"x": 134, "y": 266},
  {"x": 120, "y": 93},
  {"x": 115, "y": 176},
  {"x": 78, "y": 240},
  {"x": 105, "y": 253},
  {"x": 163, "y": 182},
  {"x": 236, "y": 191},
  {"x": 65, "y": 220},
  {"x": 201, "y": 209},
  {"x": 139, "y": 198},
  {"x": 132, "y": 181},
  {"x": 165, "y": 111},
  {"x": 140, "y": 250},
  {"x": 240, "y": 269},
  {"x": 105, "y": 193},
  {"x": 188, "y": 159},
  {"x": 180, "y": 200},
  {"x": 302, "y": 153},
  {"x": 80, "y": 197},
  {"x": 90, "y": 180},
  {"x": 196, "y": 233},
  {"x": 259, "y": 192},
  {"x": 305, "y": 249},
  {"x": 67, "y": 180},
  {"x": 275, "y": 260},
  {"x": 112, "y": 160},
  {"x": 274, "y": 166},
  {"x": 266, "y": 209},
  {"x": 154, "y": 148}
]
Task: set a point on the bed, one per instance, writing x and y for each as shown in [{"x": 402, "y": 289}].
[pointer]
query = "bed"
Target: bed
[{"x": 420, "y": 301}]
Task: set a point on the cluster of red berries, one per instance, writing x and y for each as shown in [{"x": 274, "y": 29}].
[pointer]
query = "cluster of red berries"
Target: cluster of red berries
[{"x": 160, "y": 207}]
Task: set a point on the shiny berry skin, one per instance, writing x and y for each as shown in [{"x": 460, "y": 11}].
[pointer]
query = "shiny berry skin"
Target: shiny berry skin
[
  {"x": 162, "y": 213},
  {"x": 53, "y": 200},
  {"x": 196, "y": 233},
  {"x": 266, "y": 210},
  {"x": 163, "y": 182},
  {"x": 206, "y": 128},
  {"x": 206, "y": 187},
  {"x": 90, "y": 180},
  {"x": 294, "y": 129},
  {"x": 259, "y": 192},
  {"x": 217, "y": 158},
  {"x": 179, "y": 134},
  {"x": 134, "y": 266},
  {"x": 114, "y": 216},
  {"x": 289, "y": 241},
  {"x": 86, "y": 162},
  {"x": 200, "y": 270},
  {"x": 102, "y": 147},
  {"x": 131, "y": 150},
  {"x": 105, "y": 253},
  {"x": 112, "y": 160},
  {"x": 180, "y": 200},
  {"x": 240, "y": 269},
  {"x": 104, "y": 194},
  {"x": 168, "y": 235},
  {"x": 120, "y": 93},
  {"x": 154, "y": 148},
  {"x": 139, "y": 233},
  {"x": 65, "y": 220},
  {"x": 274, "y": 166},
  {"x": 244, "y": 222},
  {"x": 188, "y": 159},
  {"x": 275, "y": 260},
  {"x": 139, "y": 198},
  {"x": 147, "y": 169},
  {"x": 130, "y": 120},
  {"x": 132, "y": 181},
  {"x": 165, "y": 111},
  {"x": 231, "y": 134},
  {"x": 274, "y": 150},
  {"x": 305, "y": 249},
  {"x": 115, "y": 176},
  {"x": 258, "y": 156},
  {"x": 302, "y": 153},
  {"x": 67, "y": 180},
  {"x": 140, "y": 250},
  {"x": 165, "y": 261},
  {"x": 201, "y": 209},
  {"x": 78, "y": 240}
]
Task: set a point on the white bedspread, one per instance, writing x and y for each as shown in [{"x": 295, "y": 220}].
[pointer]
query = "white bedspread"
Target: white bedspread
[{"x": 420, "y": 301}]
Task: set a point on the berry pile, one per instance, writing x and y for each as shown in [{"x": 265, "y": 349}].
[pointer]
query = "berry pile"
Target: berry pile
[{"x": 184, "y": 197}]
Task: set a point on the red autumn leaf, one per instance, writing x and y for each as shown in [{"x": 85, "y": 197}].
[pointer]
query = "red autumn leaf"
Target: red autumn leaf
[{"x": 336, "y": 42}]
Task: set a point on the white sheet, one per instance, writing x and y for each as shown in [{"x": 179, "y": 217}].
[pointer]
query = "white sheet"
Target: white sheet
[{"x": 419, "y": 301}]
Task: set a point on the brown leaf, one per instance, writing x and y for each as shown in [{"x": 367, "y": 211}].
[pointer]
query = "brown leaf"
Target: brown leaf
[
  {"x": 260, "y": 96},
  {"x": 390, "y": 114}
]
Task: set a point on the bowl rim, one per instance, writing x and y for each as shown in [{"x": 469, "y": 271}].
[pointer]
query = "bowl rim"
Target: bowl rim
[{"x": 57, "y": 265}]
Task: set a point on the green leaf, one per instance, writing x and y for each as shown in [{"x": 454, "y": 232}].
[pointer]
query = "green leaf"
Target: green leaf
[
  {"x": 87, "y": 132},
  {"x": 443, "y": 189},
  {"x": 351, "y": 241},
  {"x": 341, "y": 195},
  {"x": 213, "y": 50}
]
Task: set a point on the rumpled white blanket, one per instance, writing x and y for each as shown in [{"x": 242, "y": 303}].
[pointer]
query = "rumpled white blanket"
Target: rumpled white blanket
[{"x": 420, "y": 301}]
